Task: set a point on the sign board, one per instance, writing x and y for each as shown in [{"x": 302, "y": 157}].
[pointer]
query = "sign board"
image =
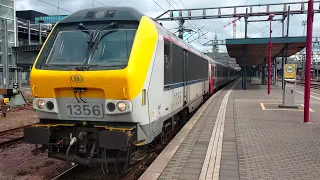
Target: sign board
[
  {"x": 290, "y": 71},
  {"x": 6, "y": 100}
]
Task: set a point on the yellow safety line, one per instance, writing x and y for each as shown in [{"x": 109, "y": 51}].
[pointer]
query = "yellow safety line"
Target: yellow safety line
[
  {"x": 272, "y": 103},
  {"x": 309, "y": 108},
  {"x": 284, "y": 109}
]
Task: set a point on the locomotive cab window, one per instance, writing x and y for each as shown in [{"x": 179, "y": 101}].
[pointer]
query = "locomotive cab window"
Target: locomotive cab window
[{"x": 71, "y": 48}]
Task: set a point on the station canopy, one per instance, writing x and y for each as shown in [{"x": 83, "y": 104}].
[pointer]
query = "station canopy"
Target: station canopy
[{"x": 258, "y": 48}]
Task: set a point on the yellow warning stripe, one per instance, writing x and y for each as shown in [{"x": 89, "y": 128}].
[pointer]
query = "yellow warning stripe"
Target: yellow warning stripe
[
  {"x": 51, "y": 125},
  {"x": 117, "y": 128}
]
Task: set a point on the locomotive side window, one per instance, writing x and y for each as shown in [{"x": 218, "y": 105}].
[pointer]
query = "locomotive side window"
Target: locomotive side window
[
  {"x": 177, "y": 64},
  {"x": 167, "y": 64},
  {"x": 193, "y": 67}
]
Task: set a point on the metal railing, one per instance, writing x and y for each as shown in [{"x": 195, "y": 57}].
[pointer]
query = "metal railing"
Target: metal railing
[{"x": 14, "y": 77}]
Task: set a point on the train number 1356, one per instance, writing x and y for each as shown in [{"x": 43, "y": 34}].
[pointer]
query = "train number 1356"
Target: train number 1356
[{"x": 84, "y": 110}]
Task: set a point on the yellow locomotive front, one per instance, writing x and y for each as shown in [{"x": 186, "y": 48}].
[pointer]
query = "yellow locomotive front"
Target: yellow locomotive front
[{"x": 89, "y": 71}]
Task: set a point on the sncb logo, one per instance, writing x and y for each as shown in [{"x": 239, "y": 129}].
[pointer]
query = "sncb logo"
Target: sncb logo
[{"x": 76, "y": 78}]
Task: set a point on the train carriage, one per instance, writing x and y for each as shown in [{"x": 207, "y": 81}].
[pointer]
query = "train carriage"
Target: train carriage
[{"x": 109, "y": 80}]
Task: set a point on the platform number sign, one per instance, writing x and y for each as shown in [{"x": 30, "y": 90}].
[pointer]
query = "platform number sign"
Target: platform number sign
[{"x": 290, "y": 71}]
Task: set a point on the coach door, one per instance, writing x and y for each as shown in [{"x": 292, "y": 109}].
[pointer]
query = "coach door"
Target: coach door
[
  {"x": 211, "y": 82},
  {"x": 185, "y": 78}
]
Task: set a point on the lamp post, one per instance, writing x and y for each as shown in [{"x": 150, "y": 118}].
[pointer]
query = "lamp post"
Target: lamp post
[{"x": 270, "y": 53}]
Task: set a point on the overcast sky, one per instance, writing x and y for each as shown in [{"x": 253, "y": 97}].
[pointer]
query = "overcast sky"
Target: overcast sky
[{"x": 150, "y": 8}]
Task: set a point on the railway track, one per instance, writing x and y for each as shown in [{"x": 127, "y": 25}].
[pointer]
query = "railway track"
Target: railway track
[
  {"x": 65, "y": 172},
  {"x": 313, "y": 85},
  {"x": 133, "y": 172},
  {"x": 11, "y": 136}
]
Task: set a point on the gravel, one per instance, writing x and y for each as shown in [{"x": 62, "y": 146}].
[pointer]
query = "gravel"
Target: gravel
[
  {"x": 17, "y": 162},
  {"x": 18, "y": 118}
]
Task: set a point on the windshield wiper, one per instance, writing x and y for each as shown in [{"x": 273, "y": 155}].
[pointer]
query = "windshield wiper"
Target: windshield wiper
[
  {"x": 94, "y": 39},
  {"x": 54, "y": 66},
  {"x": 98, "y": 41},
  {"x": 86, "y": 30},
  {"x": 105, "y": 66}
]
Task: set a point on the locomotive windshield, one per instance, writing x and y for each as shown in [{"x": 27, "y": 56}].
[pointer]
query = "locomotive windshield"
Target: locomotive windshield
[{"x": 71, "y": 48}]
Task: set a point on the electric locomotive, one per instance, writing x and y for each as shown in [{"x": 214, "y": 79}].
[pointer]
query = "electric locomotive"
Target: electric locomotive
[{"x": 109, "y": 80}]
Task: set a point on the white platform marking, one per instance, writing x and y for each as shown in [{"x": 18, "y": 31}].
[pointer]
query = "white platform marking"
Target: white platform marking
[
  {"x": 211, "y": 165},
  {"x": 159, "y": 164},
  {"x": 310, "y": 95}
]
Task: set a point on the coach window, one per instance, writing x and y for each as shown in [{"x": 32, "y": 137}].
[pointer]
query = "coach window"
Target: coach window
[
  {"x": 167, "y": 63},
  {"x": 212, "y": 71},
  {"x": 206, "y": 64},
  {"x": 216, "y": 71}
]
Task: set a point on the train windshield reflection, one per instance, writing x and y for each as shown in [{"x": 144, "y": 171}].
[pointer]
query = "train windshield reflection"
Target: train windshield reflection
[{"x": 71, "y": 48}]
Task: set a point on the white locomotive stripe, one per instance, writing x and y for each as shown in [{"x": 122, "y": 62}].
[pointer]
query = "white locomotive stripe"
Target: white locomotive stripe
[{"x": 211, "y": 166}]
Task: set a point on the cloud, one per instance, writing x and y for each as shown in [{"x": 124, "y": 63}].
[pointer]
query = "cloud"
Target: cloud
[{"x": 150, "y": 8}]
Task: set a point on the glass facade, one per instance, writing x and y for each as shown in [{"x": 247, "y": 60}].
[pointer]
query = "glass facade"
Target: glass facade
[
  {"x": 49, "y": 19},
  {"x": 7, "y": 11}
]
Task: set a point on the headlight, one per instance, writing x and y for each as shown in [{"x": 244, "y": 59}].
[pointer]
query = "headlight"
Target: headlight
[
  {"x": 40, "y": 104},
  {"x": 111, "y": 106},
  {"x": 121, "y": 106},
  {"x": 50, "y": 105}
]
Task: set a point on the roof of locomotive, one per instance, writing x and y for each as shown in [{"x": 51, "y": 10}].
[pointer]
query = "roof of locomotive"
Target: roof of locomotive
[{"x": 104, "y": 14}]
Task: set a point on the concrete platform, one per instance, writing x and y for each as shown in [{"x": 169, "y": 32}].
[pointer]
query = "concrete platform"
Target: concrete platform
[{"x": 241, "y": 134}]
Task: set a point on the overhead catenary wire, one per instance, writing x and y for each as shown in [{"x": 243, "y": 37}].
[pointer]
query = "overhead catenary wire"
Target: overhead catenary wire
[
  {"x": 194, "y": 32},
  {"x": 55, "y": 6},
  {"x": 175, "y": 9},
  {"x": 234, "y": 21},
  {"x": 199, "y": 37},
  {"x": 100, "y": 3},
  {"x": 191, "y": 21},
  {"x": 158, "y": 5},
  {"x": 186, "y": 8},
  {"x": 183, "y": 12},
  {"x": 262, "y": 29},
  {"x": 259, "y": 30}
]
